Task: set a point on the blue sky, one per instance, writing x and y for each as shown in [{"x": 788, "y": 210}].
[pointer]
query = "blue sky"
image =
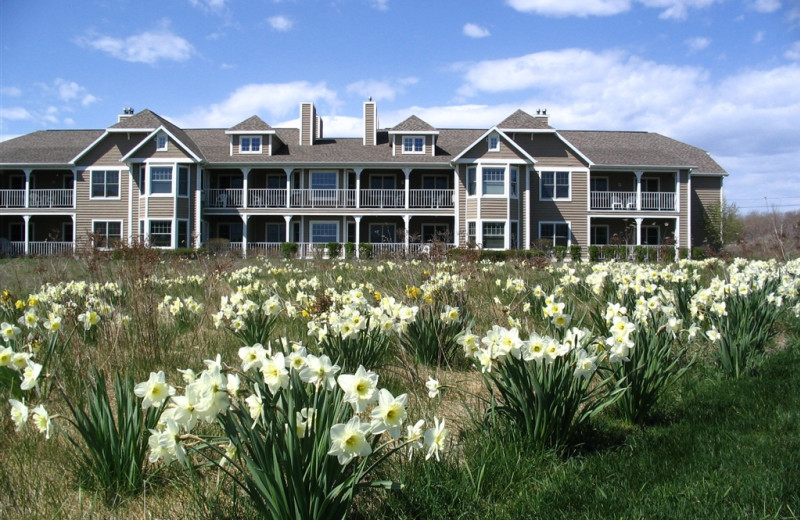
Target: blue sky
[{"x": 723, "y": 75}]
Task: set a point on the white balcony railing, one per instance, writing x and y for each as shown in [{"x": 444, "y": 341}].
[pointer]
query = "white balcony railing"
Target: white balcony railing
[
  {"x": 383, "y": 198},
  {"x": 12, "y": 198},
  {"x": 626, "y": 200},
  {"x": 61, "y": 198},
  {"x": 324, "y": 198},
  {"x": 266, "y": 198},
  {"x": 50, "y": 248},
  {"x": 224, "y": 198},
  {"x": 431, "y": 199}
]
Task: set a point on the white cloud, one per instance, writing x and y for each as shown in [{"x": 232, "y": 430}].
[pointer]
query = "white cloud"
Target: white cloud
[
  {"x": 71, "y": 91},
  {"x": 793, "y": 52},
  {"x": 147, "y": 47},
  {"x": 672, "y": 9},
  {"x": 14, "y": 114},
  {"x": 697, "y": 43},
  {"x": 270, "y": 101},
  {"x": 209, "y": 5},
  {"x": 380, "y": 5},
  {"x": 280, "y": 23},
  {"x": 759, "y": 37},
  {"x": 333, "y": 126},
  {"x": 380, "y": 89},
  {"x": 766, "y": 6},
  {"x": 475, "y": 31},
  {"x": 11, "y": 91}
]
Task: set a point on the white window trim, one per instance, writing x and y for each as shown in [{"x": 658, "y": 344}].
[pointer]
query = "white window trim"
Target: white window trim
[
  {"x": 466, "y": 183},
  {"x": 160, "y": 148},
  {"x": 251, "y": 151},
  {"x": 483, "y": 235},
  {"x": 554, "y": 197},
  {"x": 188, "y": 181},
  {"x": 311, "y": 177},
  {"x": 119, "y": 183},
  {"x": 148, "y": 226},
  {"x": 475, "y": 235},
  {"x": 493, "y": 139},
  {"x": 413, "y": 142},
  {"x": 508, "y": 169},
  {"x": 555, "y": 222},
  {"x": 382, "y": 224},
  {"x": 311, "y": 224},
  {"x": 149, "y": 181},
  {"x": 188, "y": 236},
  {"x": 107, "y": 220}
]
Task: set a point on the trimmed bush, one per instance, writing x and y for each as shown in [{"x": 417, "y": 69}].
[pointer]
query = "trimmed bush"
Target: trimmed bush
[
  {"x": 289, "y": 249},
  {"x": 575, "y": 252}
]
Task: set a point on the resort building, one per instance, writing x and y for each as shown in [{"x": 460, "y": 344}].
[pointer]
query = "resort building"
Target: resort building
[{"x": 519, "y": 184}]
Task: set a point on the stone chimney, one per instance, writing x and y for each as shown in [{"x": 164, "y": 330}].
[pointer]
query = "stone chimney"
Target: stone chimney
[
  {"x": 308, "y": 123},
  {"x": 370, "y": 123},
  {"x": 126, "y": 113},
  {"x": 541, "y": 115}
]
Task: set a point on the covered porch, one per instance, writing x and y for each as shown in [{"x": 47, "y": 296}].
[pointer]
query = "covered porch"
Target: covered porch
[{"x": 40, "y": 235}]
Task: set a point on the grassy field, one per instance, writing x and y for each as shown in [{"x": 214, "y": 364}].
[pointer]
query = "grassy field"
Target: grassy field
[{"x": 708, "y": 443}]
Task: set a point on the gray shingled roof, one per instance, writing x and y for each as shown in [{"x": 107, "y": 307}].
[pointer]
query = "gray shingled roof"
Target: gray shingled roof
[
  {"x": 47, "y": 146},
  {"x": 251, "y": 124},
  {"x": 413, "y": 124},
  {"x": 143, "y": 120},
  {"x": 639, "y": 149},
  {"x": 521, "y": 119}
]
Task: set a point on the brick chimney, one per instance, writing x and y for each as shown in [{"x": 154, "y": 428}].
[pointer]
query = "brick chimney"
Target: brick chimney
[
  {"x": 541, "y": 115},
  {"x": 370, "y": 123},
  {"x": 308, "y": 123}
]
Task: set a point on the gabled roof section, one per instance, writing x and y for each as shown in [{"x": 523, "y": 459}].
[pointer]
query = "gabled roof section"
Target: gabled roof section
[
  {"x": 642, "y": 149},
  {"x": 251, "y": 125},
  {"x": 521, "y": 120},
  {"x": 143, "y": 120},
  {"x": 413, "y": 125},
  {"x": 47, "y": 147},
  {"x": 178, "y": 135},
  {"x": 483, "y": 136}
]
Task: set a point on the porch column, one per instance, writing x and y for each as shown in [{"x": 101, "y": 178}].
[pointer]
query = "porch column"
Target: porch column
[
  {"x": 639, "y": 231},
  {"x": 288, "y": 189},
  {"x": 677, "y": 237},
  {"x": 358, "y": 231},
  {"x": 27, "y": 192},
  {"x": 245, "y": 218},
  {"x": 457, "y": 207},
  {"x": 406, "y": 221},
  {"x": 407, "y": 173},
  {"x": 288, "y": 219},
  {"x": 358, "y": 189},
  {"x": 638, "y": 190},
  {"x": 75, "y": 186},
  {"x": 74, "y": 233},
  {"x": 245, "y": 175},
  {"x": 198, "y": 207},
  {"x": 26, "y": 219}
]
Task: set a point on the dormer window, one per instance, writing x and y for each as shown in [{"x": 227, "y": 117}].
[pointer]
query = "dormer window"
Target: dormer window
[
  {"x": 161, "y": 143},
  {"x": 250, "y": 144},
  {"x": 494, "y": 143},
  {"x": 413, "y": 144}
]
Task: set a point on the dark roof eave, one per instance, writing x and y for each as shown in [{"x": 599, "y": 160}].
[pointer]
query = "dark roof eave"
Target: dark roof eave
[
  {"x": 328, "y": 164},
  {"x": 38, "y": 165},
  {"x": 646, "y": 167}
]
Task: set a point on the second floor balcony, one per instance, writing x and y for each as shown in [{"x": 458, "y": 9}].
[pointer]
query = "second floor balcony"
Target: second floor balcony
[
  {"x": 627, "y": 201},
  {"x": 40, "y": 199},
  {"x": 328, "y": 198}
]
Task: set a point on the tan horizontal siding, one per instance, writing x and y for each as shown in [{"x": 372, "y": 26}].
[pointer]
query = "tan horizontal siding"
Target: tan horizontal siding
[
  {"x": 161, "y": 207},
  {"x": 573, "y": 212},
  {"x": 494, "y": 208},
  {"x": 706, "y": 192},
  {"x": 111, "y": 149},
  {"x": 548, "y": 149}
]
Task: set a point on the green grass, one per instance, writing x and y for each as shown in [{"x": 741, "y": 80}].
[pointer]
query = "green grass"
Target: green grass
[{"x": 725, "y": 449}]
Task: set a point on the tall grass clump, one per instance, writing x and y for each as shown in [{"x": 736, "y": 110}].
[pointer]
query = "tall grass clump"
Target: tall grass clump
[{"x": 432, "y": 337}]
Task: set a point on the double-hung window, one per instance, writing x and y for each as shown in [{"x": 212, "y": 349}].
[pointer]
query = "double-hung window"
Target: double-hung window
[
  {"x": 107, "y": 233},
  {"x": 413, "y": 144},
  {"x": 494, "y": 235},
  {"x": 494, "y": 143},
  {"x": 161, "y": 179},
  {"x": 554, "y": 186},
  {"x": 555, "y": 233},
  {"x": 513, "y": 184},
  {"x": 183, "y": 181},
  {"x": 105, "y": 184},
  {"x": 250, "y": 144},
  {"x": 493, "y": 181},
  {"x": 161, "y": 233},
  {"x": 470, "y": 233},
  {"x": 161, "y": 143},
  {"x": 323, "y": 232},
  {"x": 471, "y": 172}
]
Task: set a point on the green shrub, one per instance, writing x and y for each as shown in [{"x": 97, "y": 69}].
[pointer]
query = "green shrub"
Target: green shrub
[
  {"x": 640, "y": 253},
  {"x": 349, "y": 250},
  {"x": 216, "y": 246},
  {"x": 289, "y": 249},
  {"x": 698, "y": 253},
  {"x": 334, "y": 250},
  {"x": 365, "y": 250},
  {"x": 560, "y": 252},
  {"x": 575, "y": 252},
  {"x": 594, "y": 253},
  {"x": 683, "y": 253}
]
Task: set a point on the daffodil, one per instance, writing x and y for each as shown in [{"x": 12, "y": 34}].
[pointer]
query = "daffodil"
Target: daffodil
[
  {"x": 349, "y": 440},
  {"x": 359, "y": 388},
  {"x": 389, "y": 414},
  {"x": 154, "y": 391},
  {"x": 19, "y": 414},
  {"x": 435, "y": 438}
]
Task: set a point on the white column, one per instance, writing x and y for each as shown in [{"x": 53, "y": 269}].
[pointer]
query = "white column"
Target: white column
[
  {"x": 245, "y": 218},
  {"x": 639, "y": 231},
  {"x": 74, "y": 233},
  {"x": 28, "y": 190},
  {"x": 358, "y": 234},
  {"x": 677, "y": 237},
  {"x": 198, "y": 207},
  {"x": 457, "y": 207},
  {"x": 638, "y": 190},
  {"x": 245, "y": 175},
  {"x": 26, "y": 219},
  {"x": 407, "y": 220},
  {"x": 407, "y": 173},
  {"x": 288, "y": 219},
  {"x": 358, "y": 188},
  {"x": 288, "y": 190}
]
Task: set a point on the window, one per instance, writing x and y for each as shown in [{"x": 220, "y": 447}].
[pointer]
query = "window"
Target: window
[
  {"x": 142, "y": 180},
  {"x": 471, "y": 233},
  {"x": 434, "y": 182},
  {"x": 514, "y": 238},
  {"x": 161, "y": 143},
  {"x": 554, "y": 186},
  {"x": 276, "y": 232},
  {"x": 436, "y": 232},
  {"x": 183, "y": 181},
  {"x": 107, "y": 233},
  {"x": 556, "y": 233},
  {"x": 105, "y": 184},
  {"x": 183, "y": 233},
  {"x": 471, "y": 180},
  {"x": 599, "y": 235},
  {"x": 161, "y": 179},
  {"x": 494, "y": 143},
  {"x": 513, "y": 184},
  {"x": 494, "y": 235},
  {"x": 233, "y": 231},
  {"x": 161, "y": 233},
  {"x": 324, "y": 181},
  {"x": 493, "y": 181},
  {"x": 324, "y": 232},
  {"x": 413, "y": 145},
  {"x": 381, "y": 182},
  {"x": 651, "y": 235},
  {"x": 382, "y": 233},
  {"x": 250, "y": 144},
  {"x": 599, "y": 184}
]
